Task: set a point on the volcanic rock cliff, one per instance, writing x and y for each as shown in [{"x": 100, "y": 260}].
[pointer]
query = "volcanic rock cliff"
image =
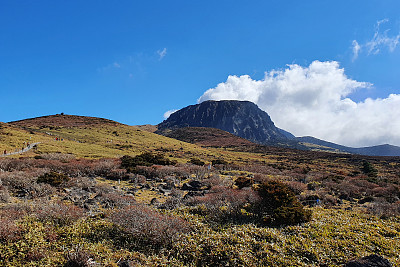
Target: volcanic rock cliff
[{"x": 241, "y": 118}]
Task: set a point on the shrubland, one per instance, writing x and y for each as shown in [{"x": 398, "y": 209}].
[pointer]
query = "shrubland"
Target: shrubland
[{"x": 271, "y": 208}]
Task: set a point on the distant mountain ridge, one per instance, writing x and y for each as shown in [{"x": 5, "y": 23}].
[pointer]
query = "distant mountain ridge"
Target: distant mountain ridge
[
  {"x": 379, "y": 150},
  {"x": 241, "y": 118}
]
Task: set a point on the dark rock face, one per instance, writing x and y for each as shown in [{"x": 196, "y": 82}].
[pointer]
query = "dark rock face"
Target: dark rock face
[
  {"x": 241, "y": 118},
  {"x": 370, "y": 261}
]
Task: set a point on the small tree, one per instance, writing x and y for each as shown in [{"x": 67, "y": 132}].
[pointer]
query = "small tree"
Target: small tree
[
  {"x": 369, "y": 169},
  {"x": 145, "y": 159},
  {"x": 279, "y": 205},
  {"x": 53, "y": 178}
]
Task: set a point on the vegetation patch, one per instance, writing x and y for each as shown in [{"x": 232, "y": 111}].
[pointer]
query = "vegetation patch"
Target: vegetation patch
[
  {"x": 145, "y": 159},
  {"x": 53, "y": 178}
]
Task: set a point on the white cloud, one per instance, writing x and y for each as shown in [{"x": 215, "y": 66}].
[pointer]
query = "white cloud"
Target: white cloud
[
  {"x": 356, "y": 49},
  {"x": 379, "y": 41},
  {"x": 162, "y": 53},
  {"x": 168, "y": 113},
  {"x": 315, "y": 101},
  {"x": 109, "y": 67}
]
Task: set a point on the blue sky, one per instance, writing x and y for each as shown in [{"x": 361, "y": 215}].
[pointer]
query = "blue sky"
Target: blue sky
[{"x": 131, "y": 61}]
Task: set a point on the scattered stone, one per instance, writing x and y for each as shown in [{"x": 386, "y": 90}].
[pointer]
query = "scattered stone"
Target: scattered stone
[
  {"x": 369, "y": 261},
  {"x": 164, "y": 191},
  {"x": 146, "y": 186},
  {"x": 191, "y": 194},
  {"x": 192, "y": 186},
  {"x": 154, "y": 201},
  {"x": 125, "y": 264}
]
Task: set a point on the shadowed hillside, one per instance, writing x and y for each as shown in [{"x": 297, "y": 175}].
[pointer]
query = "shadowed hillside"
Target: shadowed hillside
[{"x": 210, "y": 137}]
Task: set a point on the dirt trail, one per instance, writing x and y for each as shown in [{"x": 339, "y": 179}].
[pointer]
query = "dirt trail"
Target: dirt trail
[{"x": 20, "y": 151}]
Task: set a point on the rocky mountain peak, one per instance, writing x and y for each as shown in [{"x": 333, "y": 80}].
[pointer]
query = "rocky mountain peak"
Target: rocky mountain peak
[{"x": 241, "y": 118}]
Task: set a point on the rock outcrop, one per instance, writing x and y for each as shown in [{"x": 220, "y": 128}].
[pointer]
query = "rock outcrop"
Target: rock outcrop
[{"x": 241, "y": 118}]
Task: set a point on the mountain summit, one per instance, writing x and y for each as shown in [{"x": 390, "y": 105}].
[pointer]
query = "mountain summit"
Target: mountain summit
[{"x": 241, "y": 118}]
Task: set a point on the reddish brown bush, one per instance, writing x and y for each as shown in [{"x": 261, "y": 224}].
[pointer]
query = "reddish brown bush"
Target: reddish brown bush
[
  {"x": 23, "y": 184},
  {"x": 391, "y": 192},
  {"x": 106, "y": 167},
  {"x": 57, "y": 212},
  {"x": 260, "y": 178},
  {"x": 78, "y": 257},
  {"x": 4, "y": 195},
  {"x": 35, "y": 254},
  {"x": 113, "y": 200},
  {"x": 297, "y": 187},
  {"x": 15, "y": 164},
  {"x": 56, "y": 156},
  {"x": 225, "y": 205},
  {"x": 147, "y": 228},
  {"x": 9, "y": 231},
  {"x": 17, "y": 180},
  {"x": 384, "y": 209}
]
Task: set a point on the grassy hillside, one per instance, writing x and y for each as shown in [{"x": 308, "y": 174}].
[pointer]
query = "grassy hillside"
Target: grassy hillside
[{"x": 88, "y": 137}]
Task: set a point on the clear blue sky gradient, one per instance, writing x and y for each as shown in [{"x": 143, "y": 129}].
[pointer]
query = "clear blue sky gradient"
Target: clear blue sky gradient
[{"x": 102, "y": 58}]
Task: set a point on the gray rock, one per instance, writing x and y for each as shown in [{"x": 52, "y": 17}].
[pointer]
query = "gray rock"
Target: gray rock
[{"x": 369, "y": 261}]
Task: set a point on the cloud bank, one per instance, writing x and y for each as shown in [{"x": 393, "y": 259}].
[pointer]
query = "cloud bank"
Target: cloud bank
[{"x": 315, "y": 101}]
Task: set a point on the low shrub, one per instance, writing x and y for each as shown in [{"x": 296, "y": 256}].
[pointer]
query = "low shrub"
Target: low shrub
[
  {"x": 148, "y": 229},
  {"x": 107, "y": 168},
  {"x": 113, "y": 200},
  {"x": 145, "y": 159},
  {"x": 41, "y": 190},
  {"x": 77, "y": 257},
  {"x": 53, "y": 178},
  {"x": 243, "y": 181},
  {"x": 9, "y": 231},
  {"x": 384, "y": 209},
  {"x": 56, "y": 156},
  {"x": 368, "y": 169},
  {"x": 297, "y": 187},
  {"x": 23, "y": 184},
  {"x": 196, "y": 161},
  {"x": 17, "y": 180},
  {"x": 225, "y": 205},
  {"x": 4, "y": 195},
  {"x": 57, "y": 212},
  {"x": 279, "y": 205},
  {"x": 219, "y": 162}
]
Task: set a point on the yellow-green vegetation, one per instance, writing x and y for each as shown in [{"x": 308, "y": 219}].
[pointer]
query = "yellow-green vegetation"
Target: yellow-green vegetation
[
  {"x": 109, "y": 141},
  {"x": 13, "y": 138},
  {"x": 107, "y": 193},
  {"x": 331, "y": 238}
]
